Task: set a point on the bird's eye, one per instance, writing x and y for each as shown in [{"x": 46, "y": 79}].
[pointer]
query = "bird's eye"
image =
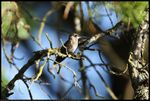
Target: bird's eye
[{"x": 75, "y": 35}]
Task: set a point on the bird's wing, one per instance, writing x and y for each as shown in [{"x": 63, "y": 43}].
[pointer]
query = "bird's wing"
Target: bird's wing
[
  {"x": 63, "y": 51},
  {"x": 64, "y": 47}
]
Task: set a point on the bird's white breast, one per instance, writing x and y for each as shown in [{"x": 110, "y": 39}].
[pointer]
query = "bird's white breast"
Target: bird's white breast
[{"x": 75, "y": 45}]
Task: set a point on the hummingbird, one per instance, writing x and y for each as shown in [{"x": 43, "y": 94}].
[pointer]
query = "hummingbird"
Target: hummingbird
[{"x": 69, "y": 47}]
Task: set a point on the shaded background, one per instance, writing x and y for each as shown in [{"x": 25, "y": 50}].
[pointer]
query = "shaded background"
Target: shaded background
[{"x": 58, "y": 28}]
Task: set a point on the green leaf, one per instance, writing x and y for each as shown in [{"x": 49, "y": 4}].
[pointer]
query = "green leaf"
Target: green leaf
[
  {"x": 14, "y": 26},
  {"x": 12, "y": 34},
  {"x": 6, "y": 21},
  {"x": 133, "y": 11},
  {"x": 22, "y": 31}
]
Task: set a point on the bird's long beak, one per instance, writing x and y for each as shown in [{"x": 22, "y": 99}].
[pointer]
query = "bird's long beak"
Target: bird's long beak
[{"x": 82, "y": 37}]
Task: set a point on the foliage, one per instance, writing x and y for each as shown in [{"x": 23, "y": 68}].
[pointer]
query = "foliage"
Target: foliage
[
  {"x": 132, "y": 11},
  {"x": 14, "y": 27}
]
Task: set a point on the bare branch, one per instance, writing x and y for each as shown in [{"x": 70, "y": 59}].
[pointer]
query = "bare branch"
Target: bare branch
[
  {"x": 28, "y": 89},
  {"x": 37, "y": 55},
  {"x": 107, "y": 87},
  {"x": 73, "y": 72},
  {"x": 65, "y": 94},
  {"x": 49, "y": 40},
  {"x": 51, "y": 11},
  {"x": 95, "y": 91},
  {"x": 108, "y": 14}
]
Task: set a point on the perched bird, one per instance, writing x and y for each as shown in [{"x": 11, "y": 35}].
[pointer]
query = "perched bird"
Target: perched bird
[{"x": 69, "y": 47}]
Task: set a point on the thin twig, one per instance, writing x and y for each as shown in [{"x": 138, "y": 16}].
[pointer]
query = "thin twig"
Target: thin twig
[
  {"x": 49, "y": 40},
  {"x": 45, "y": 91},
  {"x": 65, "y": 80},
  {"x": 17, "y": 58},
  {"x": 91, "y": 49},
  {"x": 65, "y": 94},
  {"x": 67, "y": 9},
  {"x": 73, "y": 72},
  {"x": 92, "y": 44},
  {"x": 30, "y": 94},
  {"x": 109, "y": 69},
  {"x": 95, "y": 91},
  {"x": 64, "y": 46},
  {"x": 84, "y": 80},
  {"x": 36, "y": 41},
  {"x": 99, "y": 64},
  {"x": 49, "y": 70},
  {"x": 108, "y": 14},
  {"x": 106, "y": 85},
  {"x": 43, "y": 24},
  {"x": 8, "y": 59}
]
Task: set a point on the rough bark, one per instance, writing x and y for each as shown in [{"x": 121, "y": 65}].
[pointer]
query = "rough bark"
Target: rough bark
[{"x": 138, "y": 67}]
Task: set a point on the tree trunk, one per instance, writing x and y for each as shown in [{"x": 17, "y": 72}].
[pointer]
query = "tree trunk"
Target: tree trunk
[{"x": 138, "y": 66}]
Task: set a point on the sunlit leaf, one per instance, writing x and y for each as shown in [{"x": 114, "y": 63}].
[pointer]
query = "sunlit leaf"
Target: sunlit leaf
[
  {"x": 6, "y": 21},
  {"x": 14, "y": 27},
  {"x": 133, "y": 11},
  {"x": 22, "y": 30}
]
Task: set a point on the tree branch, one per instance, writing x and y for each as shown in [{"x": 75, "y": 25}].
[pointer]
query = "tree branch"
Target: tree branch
[
  {"x": 138, "y": 69},
  {"x": 38, "y": 55}
]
